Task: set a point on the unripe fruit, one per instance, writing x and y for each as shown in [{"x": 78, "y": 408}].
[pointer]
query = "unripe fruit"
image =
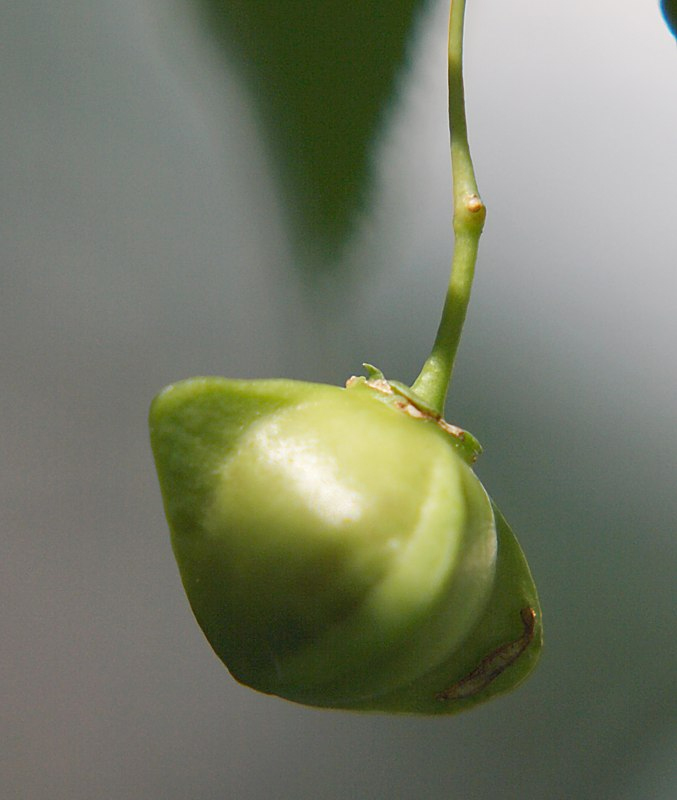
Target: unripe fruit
[{"x": 336, "y": 548}]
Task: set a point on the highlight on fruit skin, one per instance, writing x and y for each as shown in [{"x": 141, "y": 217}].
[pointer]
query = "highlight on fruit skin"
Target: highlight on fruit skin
[{"x": 337, "y": 548}]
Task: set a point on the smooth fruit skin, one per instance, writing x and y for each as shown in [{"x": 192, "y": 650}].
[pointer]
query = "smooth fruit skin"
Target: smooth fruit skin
[
  {"x": 335, "y": 551},
  {"x": 498, "y": 625}
]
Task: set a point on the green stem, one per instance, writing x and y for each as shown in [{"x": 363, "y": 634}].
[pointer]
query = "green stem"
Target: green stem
[{"x": 433, "y": 382}]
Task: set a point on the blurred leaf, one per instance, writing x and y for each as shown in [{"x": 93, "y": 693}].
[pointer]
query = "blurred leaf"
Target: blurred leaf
[
  {"x": 322, "y": 72},
  {"x": 669, "y": 9}
]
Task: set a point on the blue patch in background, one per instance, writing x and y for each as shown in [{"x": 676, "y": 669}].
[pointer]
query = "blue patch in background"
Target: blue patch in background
[{"x": 669, "y": 9}]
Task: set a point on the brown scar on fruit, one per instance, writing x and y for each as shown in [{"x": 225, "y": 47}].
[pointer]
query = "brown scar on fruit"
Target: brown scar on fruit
[{"x": 491, "y": 666}]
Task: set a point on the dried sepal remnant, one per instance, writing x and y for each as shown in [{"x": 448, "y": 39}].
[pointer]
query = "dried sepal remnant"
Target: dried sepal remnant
[
  {"x": 406, "y": 400},
  {"x": 491, "y": 666}
]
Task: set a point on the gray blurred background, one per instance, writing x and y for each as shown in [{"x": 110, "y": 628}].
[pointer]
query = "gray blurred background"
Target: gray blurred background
[{"x": 143, "y": 240}]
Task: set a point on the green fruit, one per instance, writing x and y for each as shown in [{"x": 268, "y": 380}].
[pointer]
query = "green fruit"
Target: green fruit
[{"x": 336, "y": 547}]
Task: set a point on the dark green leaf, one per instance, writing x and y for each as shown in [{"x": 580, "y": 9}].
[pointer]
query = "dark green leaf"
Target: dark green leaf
[{"x": 322, "y": 72}]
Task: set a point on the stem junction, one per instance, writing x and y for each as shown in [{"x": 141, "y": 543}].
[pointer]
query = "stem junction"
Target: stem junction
[{"x": 468, "y": 220}]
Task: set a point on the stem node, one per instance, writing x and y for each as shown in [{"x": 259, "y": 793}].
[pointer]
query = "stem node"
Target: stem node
[
  {"x": 474, "y": 204},
  {"x": 468, "y": 220}
]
